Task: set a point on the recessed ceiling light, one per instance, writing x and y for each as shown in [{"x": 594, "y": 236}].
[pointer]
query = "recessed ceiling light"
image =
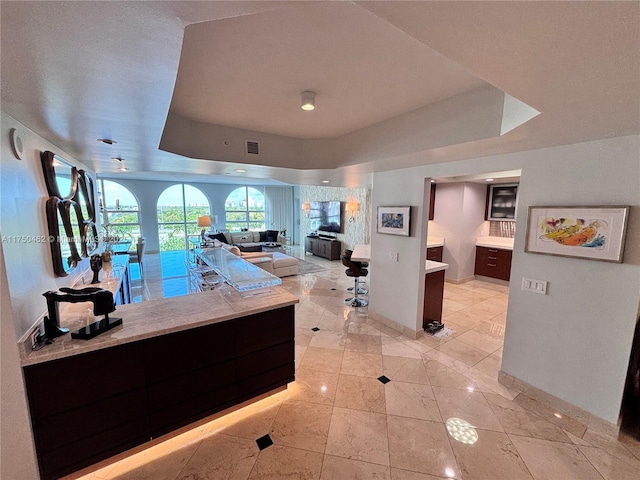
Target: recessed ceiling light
[
  {"x": 488, "y": 180},
  {"x": 433, "y": 181},
  {"x": 325, "y": 181},
  {"x": 241, "y": 170},
  {"x": 108, "y": 141},
  {"x": 123, "y": 168}
]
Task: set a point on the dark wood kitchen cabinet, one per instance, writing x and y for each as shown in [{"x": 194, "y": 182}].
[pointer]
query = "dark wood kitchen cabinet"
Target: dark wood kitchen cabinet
[
  {"x": 434, "y": 253},
  {"x": 493, "y": 262},
  {"x": 89, "y": 407},
  {"x": 432, "y": 201}
]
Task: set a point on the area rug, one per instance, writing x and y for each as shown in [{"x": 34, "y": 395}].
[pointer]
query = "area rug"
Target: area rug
[{"x": 305, "y": 267}]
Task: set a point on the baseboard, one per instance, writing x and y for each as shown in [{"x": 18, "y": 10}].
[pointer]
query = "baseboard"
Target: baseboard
[
  {"x": 458, "y": 282},
  {"x": 592, "y": 423},
  {"x": 406, "y": 331}
]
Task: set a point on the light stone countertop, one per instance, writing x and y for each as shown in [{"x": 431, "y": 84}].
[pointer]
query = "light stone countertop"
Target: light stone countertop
[
  {"x": 432, "y": 267},
  {"x": 495, "y": 242},
  {"x": 158, "y": 317},
  {"x": 435, "y": 242}
]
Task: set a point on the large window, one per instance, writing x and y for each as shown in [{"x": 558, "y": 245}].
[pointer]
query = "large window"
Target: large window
[
  {"x": 120, "y": 211},
  {"x": 244, "y": 208},
  {"x": 178, "y": 209}
]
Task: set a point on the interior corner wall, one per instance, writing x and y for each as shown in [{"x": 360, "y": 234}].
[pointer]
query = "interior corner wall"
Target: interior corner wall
[
  {"x": 573, "y": 343},
  {"x": 354, "y": 232}
]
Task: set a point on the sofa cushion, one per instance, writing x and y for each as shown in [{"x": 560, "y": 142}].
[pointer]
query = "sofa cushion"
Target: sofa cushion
[
  {"x": 218, "y": 236},
  {"x": 241, "y": 237},
  {"x": 281, "y": 260}
]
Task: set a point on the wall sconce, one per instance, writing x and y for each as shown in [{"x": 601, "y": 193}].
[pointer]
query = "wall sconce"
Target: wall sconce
[
  {"x": 352, "y": 208},
  {"x": 306, "y": 208}
]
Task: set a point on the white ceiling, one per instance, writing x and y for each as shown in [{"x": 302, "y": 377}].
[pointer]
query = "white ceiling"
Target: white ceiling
[{"x": 77, "y": 71}]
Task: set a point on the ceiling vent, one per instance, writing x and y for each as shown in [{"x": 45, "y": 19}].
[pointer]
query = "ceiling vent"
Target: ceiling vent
[{"x": 253, "y": 147}]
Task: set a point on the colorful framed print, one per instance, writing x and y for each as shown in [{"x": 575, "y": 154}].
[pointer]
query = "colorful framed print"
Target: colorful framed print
[
  {"x": 593, "y": 233},
  {"x": 394, "y": 220}
]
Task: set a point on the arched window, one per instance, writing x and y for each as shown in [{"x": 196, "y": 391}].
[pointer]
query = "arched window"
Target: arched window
[
  {"x": 120, "y": 210},
  {"x": 178, "y": 209},
  {"x": 244, "y": 208}
]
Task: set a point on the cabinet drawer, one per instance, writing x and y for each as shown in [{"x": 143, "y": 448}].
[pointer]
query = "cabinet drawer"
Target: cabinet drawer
[
  {"x": 434, "y": 254},
  {"x": 496, "y": 254}
]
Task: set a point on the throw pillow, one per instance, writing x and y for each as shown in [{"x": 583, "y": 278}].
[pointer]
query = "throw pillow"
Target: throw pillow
[
  {"x": 263, "y": 236},
  {"x": 219, "y": 236},
  {"x": 272, "y": 235}
]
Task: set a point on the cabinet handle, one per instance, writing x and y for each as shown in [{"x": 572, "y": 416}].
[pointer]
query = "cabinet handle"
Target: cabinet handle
[
  {"x": 493, "y": 258},
  {"x": 493, "y": 250},
  {"x": 491, "y": 265}
]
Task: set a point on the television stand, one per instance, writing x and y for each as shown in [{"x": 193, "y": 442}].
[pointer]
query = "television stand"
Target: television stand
[{"x": 325, "y": 247}]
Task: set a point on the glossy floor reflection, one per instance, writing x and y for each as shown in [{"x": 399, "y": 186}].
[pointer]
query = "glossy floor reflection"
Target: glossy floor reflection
[{"x": 339, "y": 420}]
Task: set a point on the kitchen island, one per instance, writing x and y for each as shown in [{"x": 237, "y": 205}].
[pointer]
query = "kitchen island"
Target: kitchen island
[{"x": 171, "y": 363}]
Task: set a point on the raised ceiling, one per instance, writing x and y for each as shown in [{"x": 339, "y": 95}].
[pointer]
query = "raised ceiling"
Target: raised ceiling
[{"x": 77, "y": 71}]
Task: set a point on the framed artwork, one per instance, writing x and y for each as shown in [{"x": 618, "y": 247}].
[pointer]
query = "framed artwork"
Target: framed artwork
[
  {"x": 594, "y": 233},
  {"x": 394, "y": 220}
]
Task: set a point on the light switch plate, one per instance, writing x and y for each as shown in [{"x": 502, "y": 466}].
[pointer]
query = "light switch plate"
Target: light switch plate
[{"x": 535, "y": 286}]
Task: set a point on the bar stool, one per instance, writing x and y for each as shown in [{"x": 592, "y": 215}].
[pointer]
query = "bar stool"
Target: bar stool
[
  {"x": 361, "y": 284},
  {"x": 354, "y": 270}
]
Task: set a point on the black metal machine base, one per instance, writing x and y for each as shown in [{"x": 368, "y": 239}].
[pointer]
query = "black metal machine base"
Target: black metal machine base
[
  {"x": 52, "y": 329},
  {"x": 96, "y": 328},
  {"x": 433, "y": 327}
]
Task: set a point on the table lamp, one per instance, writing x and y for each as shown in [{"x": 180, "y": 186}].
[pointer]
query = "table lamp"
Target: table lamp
[{"x": 204, "y": 222}]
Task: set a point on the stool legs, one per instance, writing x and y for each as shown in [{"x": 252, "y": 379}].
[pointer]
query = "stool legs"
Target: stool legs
[{"x": 355, "y": 301}]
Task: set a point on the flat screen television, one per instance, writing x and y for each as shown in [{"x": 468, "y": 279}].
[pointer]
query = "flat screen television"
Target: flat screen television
[{"x": 326, "y": 216}]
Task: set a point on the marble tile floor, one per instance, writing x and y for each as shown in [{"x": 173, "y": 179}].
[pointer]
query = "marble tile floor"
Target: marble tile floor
[{"x": 439, "y": 413}]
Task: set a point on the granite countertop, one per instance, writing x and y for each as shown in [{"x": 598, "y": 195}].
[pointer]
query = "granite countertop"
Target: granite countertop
[
  {"x": 432, "y": 267},
  {"x": 158, "y": 317},
  {"x": 435, "y": 242},
  {"x": 495, "y": 242}
]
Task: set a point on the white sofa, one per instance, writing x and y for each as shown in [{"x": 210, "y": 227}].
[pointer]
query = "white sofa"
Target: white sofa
[
  {"x": 277, "y": 263},
  {"x": 250, "y": 238}
]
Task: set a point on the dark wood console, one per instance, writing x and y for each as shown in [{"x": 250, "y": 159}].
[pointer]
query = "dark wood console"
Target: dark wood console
[
  {"x": 323, "y": 247},
  {"x": 91, "y": 406}
]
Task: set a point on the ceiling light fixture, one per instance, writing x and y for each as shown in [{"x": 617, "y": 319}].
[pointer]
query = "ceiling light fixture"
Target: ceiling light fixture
[
  {"x": 241, "y": 170},
  {"x": 308, "y": 101},
  {"x": 488, "y": 180},
  {"x": 123, "y": 168},
  {"x": 119, "y": 159},
  {"x": 325, "y": 181},
  {"x": 108, "y": 141}
]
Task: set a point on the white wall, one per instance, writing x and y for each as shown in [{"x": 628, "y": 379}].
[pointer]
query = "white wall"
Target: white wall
[
  {"x": 23, "y": 195},
  {"x": 459, "y": 219},
  {"x": 573, "y": 343}
]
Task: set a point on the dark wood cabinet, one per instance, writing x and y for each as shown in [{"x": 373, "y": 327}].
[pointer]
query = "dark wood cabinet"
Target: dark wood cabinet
[
  {"x": 433, "y": 293},
  {"x": 434, "y": 254},
  {"x": 493, "y": 262},
  {"x": 86, "y": 408},
  {"x": 323, "y": 247},
  {"x": 432, "y": 201}
]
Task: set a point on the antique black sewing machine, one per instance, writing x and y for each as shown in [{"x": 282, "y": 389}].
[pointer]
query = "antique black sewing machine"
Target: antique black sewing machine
[{"x": 103, "y": 304}]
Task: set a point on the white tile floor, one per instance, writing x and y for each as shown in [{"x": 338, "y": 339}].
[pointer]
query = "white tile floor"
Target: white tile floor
[{"x": 338, "y": 421}]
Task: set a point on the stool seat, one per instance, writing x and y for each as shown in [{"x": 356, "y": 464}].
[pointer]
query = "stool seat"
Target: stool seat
[{"x": 355, "y": 270}]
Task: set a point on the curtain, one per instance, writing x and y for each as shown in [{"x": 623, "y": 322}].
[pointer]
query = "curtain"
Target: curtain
[{"x": 279, "y": 208}]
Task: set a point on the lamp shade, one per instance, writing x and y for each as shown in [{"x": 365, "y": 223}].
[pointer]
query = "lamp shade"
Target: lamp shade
[{"x": 204, "y": 221}]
